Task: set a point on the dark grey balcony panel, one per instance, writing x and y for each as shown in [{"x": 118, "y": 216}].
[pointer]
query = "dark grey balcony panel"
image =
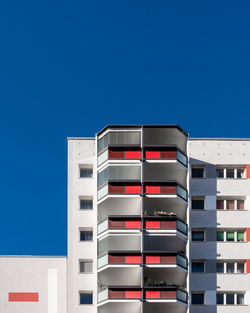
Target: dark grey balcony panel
[
  {"x": 164, "y": 244},
  {"x": 165, "y": 172},
  {"x": 164, "y": 136},
  {"x": 125, "y": 138},
  {"x": 122, "y": 173},
  {"x": 210, "y": 266},
  {"x": 171, "y": 275}
]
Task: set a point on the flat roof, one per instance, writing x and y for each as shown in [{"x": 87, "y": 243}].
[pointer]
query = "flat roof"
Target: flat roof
[{"x": 221, "y": 139}]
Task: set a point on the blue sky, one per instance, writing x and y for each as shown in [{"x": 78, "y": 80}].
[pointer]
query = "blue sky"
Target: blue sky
[{"x": 68, "y": 68}]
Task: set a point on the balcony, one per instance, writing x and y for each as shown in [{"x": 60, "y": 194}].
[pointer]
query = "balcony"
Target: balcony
[
  {"x": 165, "y": 260},
  {"x": 165, "y": 225},
  {"x": 165, "y": 190},
  {"x": 119, "y": 190},
  {"x": 165, "y": 155}
]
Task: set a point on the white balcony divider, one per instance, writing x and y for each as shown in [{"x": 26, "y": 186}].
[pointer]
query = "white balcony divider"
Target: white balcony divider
[
  {"x": 181, "y": 261},
  {"x": 101, "y": 227},
  {"x": 102, "y": 295},
  {"x": 181, "y": 157},
  {"x": 102, "y": 192},
  {"x": 182, "y": 227},
  {"x": 102, "y": 261},
  {"x": 181, "y": 192},
  {"x": 181, "y": 295},
  {"x": 102, "y": 157}
]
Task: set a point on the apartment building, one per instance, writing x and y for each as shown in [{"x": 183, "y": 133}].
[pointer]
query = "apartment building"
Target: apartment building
[{"x": 157, "y": 222}]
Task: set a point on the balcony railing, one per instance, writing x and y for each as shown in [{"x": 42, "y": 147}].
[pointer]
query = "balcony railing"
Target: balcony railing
[
  {"x": 165, "y": 189},
  {"x": 165, "y": 259},
  {"x": 119, "y": 189},
  {"x": 119, "y": 259},
  {"x": 166, "y": 155},
  {"x": 147, "y": 293},
  {"x": 119, "y": 223},
  {"x": 165, "y": 224}
]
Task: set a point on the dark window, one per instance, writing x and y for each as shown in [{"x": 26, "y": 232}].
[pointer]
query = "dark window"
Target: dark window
[
  {"x": 86, "y": 204},
  {"x": 230, "y": 173},
  {"x": 240, "y": 204},
  {"x": 240, "y": 267},
  {"x": 197, "y": 204},
  {"x": 220, "y": 298},
  {"x": 86, "y": 298},
  {"x": 230, "y": 204},
  {"x": 219, "y": 173},
  {"x": 86, "y": 266},
  {"x": 230, "y": 235},
  {"x": 230, "y": 298},
  {"x": 240, "y": 173},
  {"x": 86, "y": 235},
  {"x": 230, "y": 267},
  {"x": 198, "y": 267},
  {"x": 219, "y": 267},
  {"x": 86, "y": 172},
  {"x": 220, "y": 236},
  {"x": 240, "y": 298},
  {"x": 197, "y": 235},
  {"x": 220, "y": 205},
  {"x": 198, "y": 298},
  {"x": 197, "y": 172}
]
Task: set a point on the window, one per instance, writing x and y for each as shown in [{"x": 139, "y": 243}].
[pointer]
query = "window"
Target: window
[
  {"x": 220, "y": 298},
  {"x": 230, "y": 173},
  {"x": 220, "y": 205},
  {"x": 240, "y": 204},
  {"x": 86, "y": 235},
  {"x": 230, "y": 268},
  {"x": 197, "y": 204},
  {"x": 230, "y": 204},
  {"x": 197, "y": 298},
  {"x": 219, "y": 267},
  {"x": 197, "y": 267},
  {"x": 229, "y": 298},
  {"x": 240, "y": 173},
  {"x": 86, "y": 204},
  {"x": 240, "y": 268},
  {"x": 220, "y": 236},
  {"x": 230, "y": 235},
  {"x": 240, "y": 298},
  {"x": 197, "y": 235},
  {"x": 197, "y": 172},
  {"x": 86, "y": 298},
  {"x": 86, "y": 266},
  {"x": 220, "y": 173},
  {"x": 86, "y": 171},
  {"x": 240, "y": 236}
]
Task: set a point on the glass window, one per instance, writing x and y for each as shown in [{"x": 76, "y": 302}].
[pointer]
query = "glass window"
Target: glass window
[
  {"x": 220, "y": 298},
  {"x": 219, "y": 267},
  {"x": 86, "y": 235},
  {"x": 230, "y": 236},
  {"x": 197, "y": 204},
  {"x": 240, "y": 268},
  {"x": 240, "y": 204},
  {"x": 86, "y": 298},
  {"x": 240, "y": 298},
  {"x": 86, "y": 204},
  {"x": 229, "y": 298},
  {"x": 240, "y": 236},
  {"x": 240, "y": 173},
  {"x": 197, "y": 235},
  {"x": 220, "y": 204},
  {"x": 220, "y": 236},
  {"x": 198, "y": 298},
  {"x": 197, "y": 172},
  {"x": 198, "y": 267},
  {"x": 230, "y": 267},
  {"x": 86, "y": 266},
  {"x": 86, "y": 172},
  {"x": 102, "y": 143},
  {"x": 220, "y": 173},
  {"x": 230, "y": 173},
  {"x": 230, "y": 204}
]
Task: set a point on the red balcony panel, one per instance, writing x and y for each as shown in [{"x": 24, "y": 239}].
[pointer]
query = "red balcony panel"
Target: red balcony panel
[
  {"x": 115, "y": 224},
  {"x": 116, "y": 294},
  {"x": 168, "y": 259},
  {"x": 168, "y": 294},
  {"x": 116, "y": 154},
  {"x": 132, "y": 154},
  {"x": 133, "y": 224},
  {"x": 136, "y": 189},
  {"x": 149, "y": 189},
  {"x": 152, "y": 224},
  {"x": 247, "y": 266},
  {"x": 152, "y": 154},
  {"x": 116, "y": 189},
  {"x": 133, "y": 294},
  {"x": 248, "y": 234},
  {"x": 168, "y": 224},
  {"x": 116, "y": 259},
  {"x": 152, "y": 259},
  {"x": 132, "y": 259},
  {"x": 152, "y": 294},
  {"x": 168, "y": 189},
  {"x": 168, "y": 154},
  {"x": 23, "y": 296},
  {"x": 248, "y": 171}
]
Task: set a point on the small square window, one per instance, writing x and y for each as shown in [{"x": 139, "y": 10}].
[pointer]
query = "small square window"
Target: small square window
[
  {"x": 219, "y": 267},
  {"x": 220, "y": 298},
  {"x": 230, "y": 298},
  {"x": 240, "y": 268},
  {"x": 86, "y": 235},
  {"x": 230, "y": 235},
  {"x": 86, "y": 266},
  {"x": 230, "y": 204},
  {"x": 197, "y": 235},
  {"x": 86, "y": 204},
  {"x": 230, "y": 268},
  {"x": 197, "y": 204},
  {"x": 220, "y": 173},
  {"x": 197, "y": 172},
  {"x": 230, "y": 173},
  {"x": 240, "y": 236},
  {"x": 197, "y": 267},
  {"x": 220, "y": 204},
  {"x": 198, "y": 298},
  {"x": 220, "y": 236},
  {"x": 86, "y": 171},
  {"x": 86, "y": 298},
  {"x": 240, "y": 173}
]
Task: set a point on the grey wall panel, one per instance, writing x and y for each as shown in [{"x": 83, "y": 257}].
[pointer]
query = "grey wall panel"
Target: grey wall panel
[
  {"x": 200, "y": 282},
  {"x": 210, "y": 234},
  {"x": 203, "y": 186},
  {"x": 203, "y": 309},
  {"x": 210, "y": 266}
]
